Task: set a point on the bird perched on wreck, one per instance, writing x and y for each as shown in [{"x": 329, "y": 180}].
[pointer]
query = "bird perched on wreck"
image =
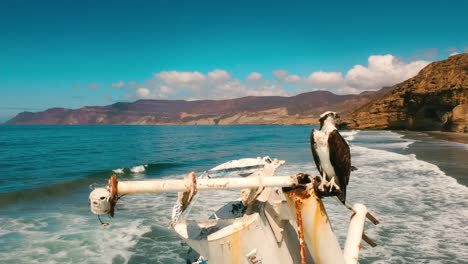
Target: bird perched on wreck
[{"x": 331, "y": 155}]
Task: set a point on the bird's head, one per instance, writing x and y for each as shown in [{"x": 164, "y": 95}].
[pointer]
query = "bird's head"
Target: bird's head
[{"x": 328, "y": 118}]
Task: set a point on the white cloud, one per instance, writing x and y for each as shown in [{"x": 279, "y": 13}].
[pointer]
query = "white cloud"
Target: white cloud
[
  {"x": 268, "y": 90},
  {"x": 235, "y": 89},
  {"x": 254, "y": 76},
  {"x": 183, "y": 79},
  {"x": 347, "y": 90},
  {"x": 292, "y": 78},
  {"x": 143, "y": 93},
  {"x": 381, "y": 71},
  {"x": 280, "y": 74},
  {"x": 325, "y": 79},
  {"x": 165, "y": 89},
  {"x": 118, "y": 85},
  {"x": 216, "y": 84},
  {"x": 219, "y": 76},
  {"x": 284, "y": 76},
  {"x": 163, "y": 92},
  {"x": 453, "y": 53}
]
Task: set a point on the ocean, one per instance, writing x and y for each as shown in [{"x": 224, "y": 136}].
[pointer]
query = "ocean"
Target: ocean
[{"x": 47, "y": 172}]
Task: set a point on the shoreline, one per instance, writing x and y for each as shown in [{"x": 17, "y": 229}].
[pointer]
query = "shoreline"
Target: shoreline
[
  {"x": 449, "y": 136},
  {"x": 446, "y": 150}
]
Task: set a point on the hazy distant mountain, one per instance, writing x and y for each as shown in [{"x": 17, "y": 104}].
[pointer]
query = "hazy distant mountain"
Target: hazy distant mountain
[
  {"x": 300, "y": 109},
  {"x": 435, "y": 99}
]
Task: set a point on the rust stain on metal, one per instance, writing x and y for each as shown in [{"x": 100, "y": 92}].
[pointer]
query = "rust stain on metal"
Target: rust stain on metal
[
  {"x": 114, "y": 191},
  {"x": 186, "y": 197},
  {"x": 218, "y": 186},
  {"x": 193, "y": 177},
  {"x": 297, "y": 196},
  {"x": 300, "y": 231},
  {"x": 113, "y": 185},
  {"x": 299, "y": 193}
]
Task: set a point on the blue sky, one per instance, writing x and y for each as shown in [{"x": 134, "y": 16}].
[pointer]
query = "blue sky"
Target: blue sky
[{"x": 68, "y": 53}]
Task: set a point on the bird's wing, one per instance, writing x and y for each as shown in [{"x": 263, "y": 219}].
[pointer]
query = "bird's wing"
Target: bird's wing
[
  {"x": 313, "y": 148},
  {"x": 340, "y": 157}
]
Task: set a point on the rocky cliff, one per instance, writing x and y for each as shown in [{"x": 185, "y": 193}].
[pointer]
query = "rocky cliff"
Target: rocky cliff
[
  {"x": 300, "y": 109},
  {"x": 435, "y": 99}
]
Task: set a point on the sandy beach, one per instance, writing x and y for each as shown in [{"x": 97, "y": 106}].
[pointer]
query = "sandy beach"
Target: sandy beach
[
  {"x": 449, "y": 151},
  {"x": 450, "y": 136}
]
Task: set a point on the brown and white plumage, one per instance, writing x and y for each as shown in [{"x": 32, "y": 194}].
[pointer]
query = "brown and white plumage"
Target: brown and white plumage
[{"x": 331, "y": 155}]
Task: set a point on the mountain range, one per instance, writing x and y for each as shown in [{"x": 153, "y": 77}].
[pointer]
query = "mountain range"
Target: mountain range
[
  {"x": 300, "y": 109},
  {"x": 435, "y": 99}
]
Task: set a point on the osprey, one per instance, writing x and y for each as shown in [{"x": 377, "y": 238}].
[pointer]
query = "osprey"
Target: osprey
[{"x": 331, "y": 155}]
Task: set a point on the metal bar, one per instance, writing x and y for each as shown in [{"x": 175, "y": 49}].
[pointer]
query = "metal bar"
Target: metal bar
[
  {"x": 355, "y": 232},
  {"x": 369, "y": 216},
  {"x": 372, "y": 218},
  {"x": 171, "y": 185},
  {"x": 369, "y": 240}
]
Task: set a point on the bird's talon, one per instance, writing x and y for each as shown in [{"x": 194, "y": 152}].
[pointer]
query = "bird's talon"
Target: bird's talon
[
  {"x": 321, "y": 187},
  {"x": 332, "y": 184},
  {"x": 336, "y": 187}
]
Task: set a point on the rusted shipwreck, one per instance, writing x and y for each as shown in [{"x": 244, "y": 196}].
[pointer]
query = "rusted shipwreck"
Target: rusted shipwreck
[{"x": 281, "y": 219}]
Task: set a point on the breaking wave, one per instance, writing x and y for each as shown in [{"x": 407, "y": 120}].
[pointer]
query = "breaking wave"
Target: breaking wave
[
  {"x": 136, "y": 169},
  {"x": 146, "y": 168},
  {"x": 349, "y": 135},
  {"x": 420, "y": 208},
  {"x": 64, "y": 189}
]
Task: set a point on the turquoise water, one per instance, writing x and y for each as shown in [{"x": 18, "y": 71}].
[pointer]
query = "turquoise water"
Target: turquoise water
[{"x": 46, "y": 173}]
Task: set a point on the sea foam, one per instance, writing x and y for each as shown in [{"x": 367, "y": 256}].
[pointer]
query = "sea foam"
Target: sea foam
[
  {"x": 419, "y": 206},
  {"x": 139, "y": 169},
  {"x": 349, "y": 135}
]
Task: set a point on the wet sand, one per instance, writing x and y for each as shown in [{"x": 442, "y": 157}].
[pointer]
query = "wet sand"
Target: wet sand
[
  {"x": 450, "y": 136},
  {"x": 449, "y": 151}
]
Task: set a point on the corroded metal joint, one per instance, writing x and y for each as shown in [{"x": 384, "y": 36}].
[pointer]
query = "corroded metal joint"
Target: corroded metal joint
[
  {"x": 113, "y": 192},
  {"x": 303, "y": 181}
]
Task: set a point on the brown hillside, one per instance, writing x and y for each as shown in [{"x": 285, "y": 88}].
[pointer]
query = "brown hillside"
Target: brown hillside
[{"x": 435, "y": 99}]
